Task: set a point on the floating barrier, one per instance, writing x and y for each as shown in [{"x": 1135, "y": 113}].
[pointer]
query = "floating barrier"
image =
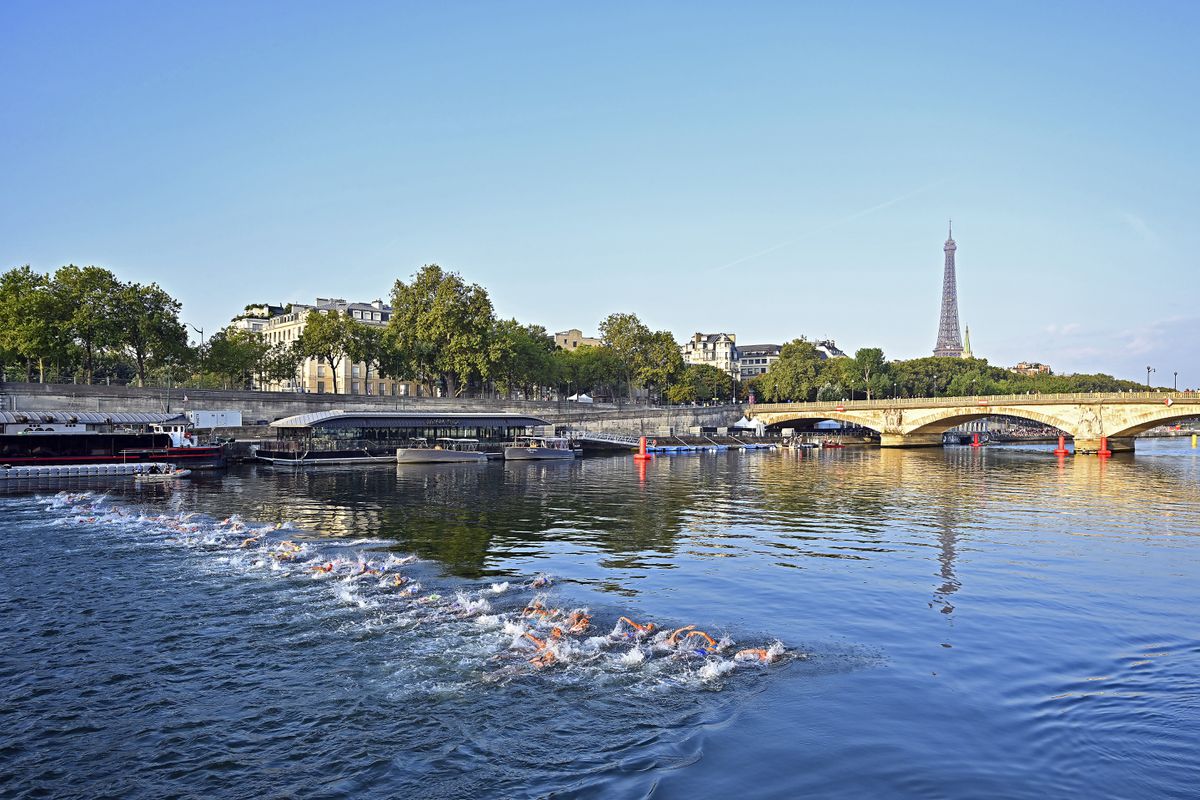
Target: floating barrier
[{"x": 43, "y": 472}]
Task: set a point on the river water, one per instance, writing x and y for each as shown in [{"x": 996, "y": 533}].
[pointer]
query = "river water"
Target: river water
[{"x": 959, "y": 623}]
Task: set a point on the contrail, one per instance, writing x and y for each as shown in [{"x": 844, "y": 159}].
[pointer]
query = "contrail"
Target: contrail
[{"x": 834, "y": 223}]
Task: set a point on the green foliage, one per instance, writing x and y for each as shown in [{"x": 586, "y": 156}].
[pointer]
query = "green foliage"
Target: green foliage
[
  {"x": 652, "y": 359},
  {"x": 796, "y": 375},
  {"x": 328, "y": 336},
  {"x": 280, "y": 362},
  {"x": 87, "y": 301},
  {"x": 700, "y": 382},
  {"x": 439, "y": 329},
  {"x": 149, "y": 321},
  {"x": 521, "y": 357},
  {"x": 234, "y": 355},
  {"x": 588, "y": 369}
]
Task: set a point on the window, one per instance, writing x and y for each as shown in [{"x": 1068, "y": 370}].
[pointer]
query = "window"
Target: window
[
  {"x": 320, "y": 371},
  {"x": 395, "y": 390},
  {"x": 354, "y": 371},
  {"x": 320, "y": 387},
  {"x": 404, "y": 390},
  {"x": 354, "y": 388}
]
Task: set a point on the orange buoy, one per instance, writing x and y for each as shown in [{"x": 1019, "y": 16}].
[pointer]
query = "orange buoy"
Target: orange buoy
[
  {"x": 1061, "y": 450},
  {"x": 641, "y": 454}
]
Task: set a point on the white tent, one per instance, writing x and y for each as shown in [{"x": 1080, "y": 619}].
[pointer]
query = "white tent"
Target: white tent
[
  {"x": 747, "y": 425},
  {"x": 580, "y": 398}
]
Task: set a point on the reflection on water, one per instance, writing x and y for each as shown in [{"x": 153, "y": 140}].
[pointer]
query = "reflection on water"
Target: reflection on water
[{"x": 982, "y": 622}]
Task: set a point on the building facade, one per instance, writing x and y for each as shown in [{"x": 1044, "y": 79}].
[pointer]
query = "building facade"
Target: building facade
[
  {"x": 315, "y": 375},
  {"x": 570, "y": 340},
  {"x": 715, "y": 349},
  {"x": 755, "y": 359},
  {"x": 1031, "y": 368}
]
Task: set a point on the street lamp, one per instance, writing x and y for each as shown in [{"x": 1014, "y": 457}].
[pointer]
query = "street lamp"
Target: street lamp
[
  {"x": 934, "y": 384},
  {"x": 894, "y": 390},
  {"x": 199, "y": 331},
  {"x": 1148, "y": 371},
  {"x": 1175, "y": 385}
]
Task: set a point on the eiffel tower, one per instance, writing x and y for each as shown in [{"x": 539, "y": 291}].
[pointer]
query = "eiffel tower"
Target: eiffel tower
[{"x": 949, "y": 342}]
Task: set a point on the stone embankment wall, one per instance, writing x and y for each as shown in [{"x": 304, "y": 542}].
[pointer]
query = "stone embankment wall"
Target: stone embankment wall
[{"x": 271, "y": 406}]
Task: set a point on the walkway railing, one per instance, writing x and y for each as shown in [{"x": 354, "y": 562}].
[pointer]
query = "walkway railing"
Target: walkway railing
[{"x": 598, "y": 436}]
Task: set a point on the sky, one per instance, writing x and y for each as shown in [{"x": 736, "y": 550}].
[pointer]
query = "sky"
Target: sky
[{"x": 773, "y": 170}]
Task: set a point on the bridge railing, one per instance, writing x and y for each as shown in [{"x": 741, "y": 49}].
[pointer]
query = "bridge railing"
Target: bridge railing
[{"x": 981, "y": 400}]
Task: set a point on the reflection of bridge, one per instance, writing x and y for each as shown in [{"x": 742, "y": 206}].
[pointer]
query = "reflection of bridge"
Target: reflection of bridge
[{"x": 921, "y": 421}]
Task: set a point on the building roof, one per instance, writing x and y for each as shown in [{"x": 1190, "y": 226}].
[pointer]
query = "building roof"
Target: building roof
[
  {"x": 338, "y": 418},
  {"x": 88, "y": 417},
  {"x": 759, "y": 348}
]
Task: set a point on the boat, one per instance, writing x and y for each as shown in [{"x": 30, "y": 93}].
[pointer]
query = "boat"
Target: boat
[
  {"x": 48, "y": 438},
  {"x": 161, "y": 476},
  {"x": 57, "y": 472},
  {"x": 829, "y": 444},
  {"x": 539, "y": 448},
  {"x": 442, "y": 451}
]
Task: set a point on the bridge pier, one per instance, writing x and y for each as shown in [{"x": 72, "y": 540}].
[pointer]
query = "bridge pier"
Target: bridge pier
[
  {"x": 1122, "y": 444},
  {"x": 910, "y": 440}
]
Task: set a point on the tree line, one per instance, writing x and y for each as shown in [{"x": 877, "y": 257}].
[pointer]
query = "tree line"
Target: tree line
[
  {"x": 802, "y": 373},
  {"x": 84, "y": 324}
]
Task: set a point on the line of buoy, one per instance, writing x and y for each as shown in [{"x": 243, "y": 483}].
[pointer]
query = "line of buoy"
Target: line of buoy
[{"x": 16, "y": 473}]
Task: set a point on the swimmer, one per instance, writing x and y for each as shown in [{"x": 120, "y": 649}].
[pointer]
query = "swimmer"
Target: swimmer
[
  {"x": 538, "y": 609},
  {"x": 541, "y": 581},
  {"x": 251, "y": 541},
  {"x": 638, "y": 630},
  {"x": 323, "y": 569},
  {"x": 399, "y": 580},
  {"x": 578, "y": 622},
  {"x": 545, "y": 652},
  {"x": 754, "y": 654},
  {"x": 712, "y": 647},
  {"x": 673, "y": 639}
]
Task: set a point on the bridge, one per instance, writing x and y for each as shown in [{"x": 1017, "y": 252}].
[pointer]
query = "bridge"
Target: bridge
[{"x": 921, "y": 421}]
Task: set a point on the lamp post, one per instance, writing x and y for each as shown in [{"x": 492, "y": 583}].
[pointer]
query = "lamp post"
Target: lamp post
[
  {"x": 1175, "y": 385},
  {"x": 199, "y": 331},
  {"x": 893, "y": 390},
  {"x": 1148, "y": 371},
  {"x": 934, "y": 384}
]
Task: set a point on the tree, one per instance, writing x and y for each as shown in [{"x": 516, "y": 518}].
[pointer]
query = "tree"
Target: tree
[
  {"x": 327, "y": 336},
  {"x": 628, "y": 338},
  {"x": 520, "y": 356},
  {"x": 279, "y": 363},
  {"x": 29, "y": 322},
  {"x": 868, "y": 362},
  {"x": 149, "y": 325},
  {"x": 439, "y": 328},
  {"x": 796, "y": 375},
  {"x": 700, "y": 382},
  {"x": 235, "y": 355},
  {"x": 87, "y": 298},
  {"x": 365, "y": 345},
  {"x": 661, "y": 361}
]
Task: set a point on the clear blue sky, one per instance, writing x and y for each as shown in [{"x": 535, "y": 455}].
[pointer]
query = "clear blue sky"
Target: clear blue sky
[{"x": 767, "y": 169}]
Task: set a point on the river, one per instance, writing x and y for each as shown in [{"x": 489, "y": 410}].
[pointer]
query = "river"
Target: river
[{"x": 954, "y": 623}]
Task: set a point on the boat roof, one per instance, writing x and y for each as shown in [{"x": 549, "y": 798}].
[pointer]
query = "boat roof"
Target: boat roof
[
  {"x": 338, "y": 418},
  {"x": 89, "y": 417}
]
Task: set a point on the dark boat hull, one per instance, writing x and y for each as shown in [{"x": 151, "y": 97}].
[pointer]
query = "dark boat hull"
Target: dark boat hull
[{"x": 58, "y": 449}]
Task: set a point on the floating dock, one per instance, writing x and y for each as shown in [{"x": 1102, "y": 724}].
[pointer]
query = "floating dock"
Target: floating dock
[{"x": 11, "y": 473}]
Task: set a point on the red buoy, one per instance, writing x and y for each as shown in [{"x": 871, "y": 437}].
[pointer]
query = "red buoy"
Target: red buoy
[
  {"x": 1062, "y": 446},
  {"x": 641, "y": 454},
  {"x": 975, "y": 440},
  {"x": 1104, "y": 451}
]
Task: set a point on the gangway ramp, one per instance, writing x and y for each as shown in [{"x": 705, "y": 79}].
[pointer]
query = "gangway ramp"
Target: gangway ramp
[{"x": 603, "y": 438}]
